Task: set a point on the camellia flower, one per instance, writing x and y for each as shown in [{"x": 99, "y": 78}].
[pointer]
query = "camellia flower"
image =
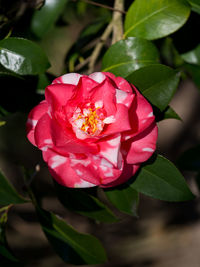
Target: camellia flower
[{"x": 93, "y": 130}]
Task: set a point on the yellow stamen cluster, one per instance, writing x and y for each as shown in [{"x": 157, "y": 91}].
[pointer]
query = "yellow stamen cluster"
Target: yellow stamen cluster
[{"x": 91, "y": 121}]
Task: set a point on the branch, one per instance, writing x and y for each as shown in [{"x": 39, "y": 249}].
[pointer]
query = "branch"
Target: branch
[
  {"x": 117, "y": 21},
  {"x": 104, "y": 6},
  {"x": 99, "y": 46}
]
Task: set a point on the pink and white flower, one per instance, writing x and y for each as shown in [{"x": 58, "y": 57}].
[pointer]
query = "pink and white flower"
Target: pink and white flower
[{"x": 93, "y": 130}]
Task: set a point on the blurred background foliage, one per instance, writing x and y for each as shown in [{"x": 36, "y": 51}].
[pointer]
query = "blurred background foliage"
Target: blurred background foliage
[{"x": 60, "y": 37}]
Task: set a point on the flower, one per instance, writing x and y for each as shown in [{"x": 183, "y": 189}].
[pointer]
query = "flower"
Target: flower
[{"x": 93, "y": 130}]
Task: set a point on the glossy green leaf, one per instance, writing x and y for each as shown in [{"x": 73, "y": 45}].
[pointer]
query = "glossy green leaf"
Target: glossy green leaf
[
  {"x": 154, "y": 19},
  {"x": 44, "y": 19},
  {"x": 73, "y": 247},
  {"x": 157, "y": 83},
  {"x": 190, "y": 159},
  {"x": 193, "y": 56},
  {"x": 171, "y": 114},
  {"x": 162, "y": 180},
  {"x": 85, "y": 204},
  {"x": 128, "y": 55},
  {"x": 22, "y": 56},
  {"x": 124, "y": 198},
  {"x": 8, "y": 195},
  {"x": 195, "y": 4}
]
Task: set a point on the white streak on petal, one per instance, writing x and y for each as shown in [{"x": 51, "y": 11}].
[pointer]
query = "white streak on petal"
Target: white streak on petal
[
  {"x": 111, "y": 154},
  {"x": 98, "y": 104},
  {"x": 109, "y": 120},
  {"x": 71, "y": 78},
  {"x": 148, "y": 149},
  {"x": 83, "y": 184},
  {"x": 80, "y": 134},
  {"x": 57, "y": 161},
  {"x": 44, "y": 148},
  {"x": 104, "y": 168},
  {"x": 32, "y": 122},
  {"x": 49, "y": 112},
  {"x": 106, "y": 163},
  {"x": 48, "y": 141},
  {"x": 114, "y": 141},
  {"x": 109, "y": 174},
  {"x": 84, "y": 162},
  {"x": 120, "y": 96},
  {"x": 79, "y": 172},
  {"x": 150, "y": 115},
  {"x": 127, "y": 137},
  {"x": 98, "y": 77}
]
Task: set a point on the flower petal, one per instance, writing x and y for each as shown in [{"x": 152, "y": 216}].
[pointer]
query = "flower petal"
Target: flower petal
[
  {"x": 69, "y": 78},
  {"x": 105, "y": 92},
  {"x": 62, "y": 170},
  {"x": 98, "y": 77},
  {"x": 121, "y": 122},
  {"x": 141, "y": 147},
  {"x": 110, "y": 149},
  {"x": 43, "y": 132},
  {"x": 65, "y": 140},
  {"x": 128, "y": 172},
  {"x": 33, "y": 117},
  {"x": 57, "y": 95}
]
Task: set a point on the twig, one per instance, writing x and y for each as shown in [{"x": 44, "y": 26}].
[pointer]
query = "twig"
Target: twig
[
  {"x": 82, "y": 64},
  {"x": 102, "y": 5},
  {"x": 99, "y": 46},
  {"x": 117, "y": 21}
]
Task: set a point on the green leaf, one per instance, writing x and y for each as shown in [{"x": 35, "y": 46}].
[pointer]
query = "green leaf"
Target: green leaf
[
  {"x": 161, "y": 179},
  {"x": 195, "y": 4},
  {"x": 190, "y": 159},
  {"x": 44, "y": 19},
  {"x": 43, "y": 82},
  {"x": 154, "y": 19},
  {"x": 6, "y": 255},
  {"x": 124, "y": 198},
  {"x": 193, "y": 56},
  {"x": 79, "y": 201},
  {"x": 157, "y": 83},
  {"x": 170, "y": 54},
  {"x": 22, "y": 56},
  {"x": 194, "y": 71},
  {"x": 171, "y": 114},
  {"x": 128, "y": 55},
  {"x": 73, "y": 247},
  {"x": 8, "y": 195}
]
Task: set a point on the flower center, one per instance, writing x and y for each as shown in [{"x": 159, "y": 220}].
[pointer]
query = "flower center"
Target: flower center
[{"x": 89, "y": 118}]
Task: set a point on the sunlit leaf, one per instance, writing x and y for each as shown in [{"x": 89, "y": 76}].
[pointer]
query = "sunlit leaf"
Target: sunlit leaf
[
  {"x": 128, "y": 55},
  {"x": 154, "y": 19},
  {"x": 22, "y": 56}
]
